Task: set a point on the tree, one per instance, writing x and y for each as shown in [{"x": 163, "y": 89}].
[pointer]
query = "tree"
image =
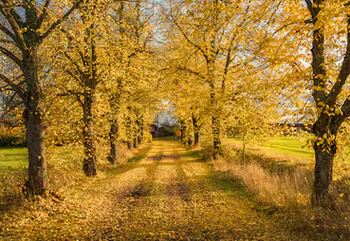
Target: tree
[
  {"x": 220, "y": 41},
  {"x": 25, "y": 25},
  {"x": 328, "y": 22},
  {"x": 132, "y": 60},
  {"x": 329, "y": 91},
  {"x": 84, "y": 69}
]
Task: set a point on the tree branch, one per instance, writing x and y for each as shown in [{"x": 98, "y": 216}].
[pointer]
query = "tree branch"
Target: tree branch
[
  {"x": 17, "y": 18},
  {"x": 191, "y": 72},
  {"x": 7, "y": 32},
  {"x": 309, "y": 5},
  {"x": 318, "y": 56},
  {"x": 60, "y": 20},
  {"x": 77, "y": 47},
  {"x": 16, "y": 34},
  {"x": 14, "y": 87},
  {"x": 346, "y": 108},
  {"x": 79, "y": 70},
  {"x": 7, "y": 41},
  {"x": 43, "y": 14},
  {"x": 75, "y": 94},
  {"x": 79, "y": 81},
  {"x": 189, "y": 40},
  {"x": 11, "y": 56},
  {"x": 344, "y": 71}
]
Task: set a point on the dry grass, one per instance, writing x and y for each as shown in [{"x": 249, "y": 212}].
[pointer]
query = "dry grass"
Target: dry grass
[
  {"x": 287, "y": 186},
  {"x": 282, "y": 181},
  {"x": 283, "y": 188}
]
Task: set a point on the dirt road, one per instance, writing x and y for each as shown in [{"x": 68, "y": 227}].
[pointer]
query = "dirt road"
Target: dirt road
[{"x": 171, "y": 194}]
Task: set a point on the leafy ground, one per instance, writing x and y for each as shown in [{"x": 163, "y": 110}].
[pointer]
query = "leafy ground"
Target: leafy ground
[{"x": 165, "y": 193}]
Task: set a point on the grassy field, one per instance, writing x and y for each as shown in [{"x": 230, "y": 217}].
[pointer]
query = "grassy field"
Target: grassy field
[
  {"x": 13, "y": 158},
  {"x": 16, "y": 158},
  {"x": 289, "y": 146},
  {"x": 281, "y": 146},
  {"x": 292, "y": 149}
]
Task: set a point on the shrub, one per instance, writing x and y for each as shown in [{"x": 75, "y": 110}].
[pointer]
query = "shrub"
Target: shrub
[{"x": 13, "y": 136}]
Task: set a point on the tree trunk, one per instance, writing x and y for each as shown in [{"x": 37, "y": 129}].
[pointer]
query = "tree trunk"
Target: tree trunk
[
  {"x": 140, "y": 134},
  {"x": 183, "y": 132},
  {"x": 189, "y": 141},
  {"x": 325, "y": 150},
  {"x": 134, "y": 134},
  {"x": 323, "y": 176},
  {"x": 37, "y": 176},
  {"x": 215, "y": 118},
  {"x": 89, "y": 164},
  {"x": 113, "y": 137},
  {"x": 195, "y": 130},
  {"x": 129, "y": 130},
  {"x": 115, "y": 102},
  {"x": 140, "y": 137},
  {"x": 216, "y": 137},
  {"x": 135, "y": 142}
]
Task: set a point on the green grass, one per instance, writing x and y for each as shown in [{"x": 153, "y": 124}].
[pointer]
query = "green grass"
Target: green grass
[
  {"x": 16, "y": 158},
  {"x": 293, "y": 149},
  {"x": 13, "y": 158},
  {"x": 289, "y": 146}
]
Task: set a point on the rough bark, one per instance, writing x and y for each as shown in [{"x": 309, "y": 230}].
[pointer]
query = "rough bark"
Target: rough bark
[
  {"x": 37, "y": 177},
  {"x": 215, "y": 116},
  {"x": 113, "y": 137},
  {"x": 135, "y": 142},
  {"x": 90, "y": 79},
  {"x": 195, "y": 130},
  {"x": 140, "y": 137},
  {"x": 189, "y": 139},
  {"x": 129, "y": 144},
  {"x": 89, "y": 164},
  {"x": 134, "y": 133},
  {"x": 129, "y": 134},
  {"x": 323, "y": 175},
  {"x": 140, "y": 129},
  {"x": 325, "y": 126},
  {"x": 115, "y": 102},
  {"x": 215, "y": 122},
  {"x": 183, "y": 131},
  {"x": 216, "y": 137}
]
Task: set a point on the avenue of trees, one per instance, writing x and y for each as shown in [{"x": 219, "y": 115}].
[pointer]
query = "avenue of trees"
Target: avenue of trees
[{"x": 87, "y": 71}]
